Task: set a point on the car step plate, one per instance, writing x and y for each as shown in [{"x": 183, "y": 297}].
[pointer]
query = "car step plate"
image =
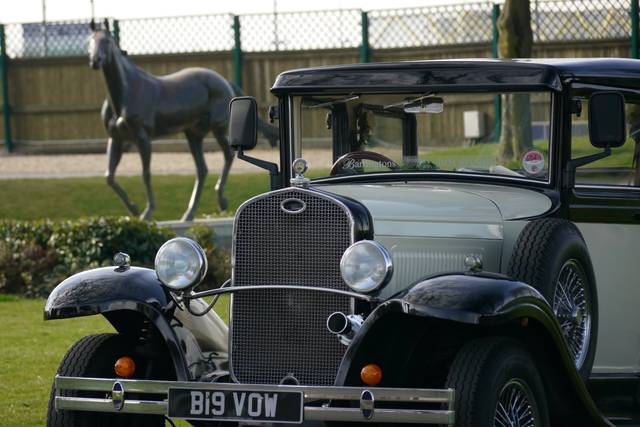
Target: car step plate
[{"x": 236, "y": 405}]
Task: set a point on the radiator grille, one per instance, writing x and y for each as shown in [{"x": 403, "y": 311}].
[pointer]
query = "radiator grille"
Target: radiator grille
[{"x": 276, "y": 332}]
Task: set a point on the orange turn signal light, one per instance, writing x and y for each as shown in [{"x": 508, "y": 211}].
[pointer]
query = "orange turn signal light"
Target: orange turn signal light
[
  {"x": 125, "y": 367},
  {"x": 371, "y": 374}
]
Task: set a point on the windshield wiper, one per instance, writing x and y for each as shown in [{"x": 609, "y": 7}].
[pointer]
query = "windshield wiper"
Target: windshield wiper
[
  {"x": 409, "y": 101},
  {"x": 333, "y": 102}
]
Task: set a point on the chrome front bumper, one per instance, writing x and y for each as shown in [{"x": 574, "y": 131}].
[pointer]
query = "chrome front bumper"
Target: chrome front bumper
[{"x": 355, "y": 413}]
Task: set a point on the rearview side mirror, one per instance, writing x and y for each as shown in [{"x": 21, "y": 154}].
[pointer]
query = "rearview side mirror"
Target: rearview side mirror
[
  {"x": 607, "y": 126},
  {"x": 607, "y": 129},
  {"x": 243, "y": 123}
]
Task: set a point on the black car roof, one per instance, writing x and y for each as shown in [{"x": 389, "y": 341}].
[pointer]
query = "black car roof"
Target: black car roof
[{"x": 461, "y": 74}]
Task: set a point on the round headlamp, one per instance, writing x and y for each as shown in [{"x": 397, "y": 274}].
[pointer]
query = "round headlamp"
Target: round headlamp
[
  {"x": 181, "y": 263},
  {"x": 366, "y": 266}
]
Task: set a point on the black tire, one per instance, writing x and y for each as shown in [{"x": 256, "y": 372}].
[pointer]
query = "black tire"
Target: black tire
[
  {"x": 484, "y": 372},
  {"x": 543, "y": 254},
  {"x": 93, "y": 356}
]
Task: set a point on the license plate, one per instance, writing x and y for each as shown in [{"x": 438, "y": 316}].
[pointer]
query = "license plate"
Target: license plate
[{"x": 236, "y": 405}]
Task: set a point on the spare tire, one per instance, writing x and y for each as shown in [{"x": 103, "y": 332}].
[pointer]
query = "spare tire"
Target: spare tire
[{"x": 551, "y": 255}]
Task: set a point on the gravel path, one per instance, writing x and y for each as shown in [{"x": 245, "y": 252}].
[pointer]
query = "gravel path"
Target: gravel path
[
  {"x": 72, "y": 165},
  {"x": 17, "y": 166}
]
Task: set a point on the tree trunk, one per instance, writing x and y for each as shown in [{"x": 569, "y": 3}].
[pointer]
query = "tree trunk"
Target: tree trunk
[{"x": 516, "y": 41}]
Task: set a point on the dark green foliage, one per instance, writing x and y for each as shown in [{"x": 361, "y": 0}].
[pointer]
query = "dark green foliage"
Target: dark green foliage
[
  {"x": 219, "y": 264},
  {"x": 37, "y": 255},
  {"x": 26, "y": 266},
  {"x": 93, "y": 242},
  {"x": 26, "y": 260}
]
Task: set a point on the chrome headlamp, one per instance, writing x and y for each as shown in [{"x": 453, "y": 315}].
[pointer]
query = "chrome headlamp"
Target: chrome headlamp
[
  {"x": 366, "y": 266},
  {"x": 181, "y": 263}
]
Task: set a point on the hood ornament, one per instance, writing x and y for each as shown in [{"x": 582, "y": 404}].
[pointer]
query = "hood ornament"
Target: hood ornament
[{"x": 299, "y": 167}]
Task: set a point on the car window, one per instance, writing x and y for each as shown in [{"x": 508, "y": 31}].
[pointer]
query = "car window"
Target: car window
[
  {"x": 423, "y": 132},
  {"x": 622, "y": 168}
]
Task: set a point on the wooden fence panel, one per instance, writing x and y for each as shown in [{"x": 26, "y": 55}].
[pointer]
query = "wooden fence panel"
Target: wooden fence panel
[{"x": 59, "y": 99}]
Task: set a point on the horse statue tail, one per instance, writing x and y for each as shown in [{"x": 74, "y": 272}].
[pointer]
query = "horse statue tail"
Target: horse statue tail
[
  {"x": 237, "y": 91},
  {"x": 270, "y": 132}
]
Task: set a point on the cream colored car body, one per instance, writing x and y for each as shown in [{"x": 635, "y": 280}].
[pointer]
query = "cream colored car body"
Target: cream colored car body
[{"x": 430, "y": 227}]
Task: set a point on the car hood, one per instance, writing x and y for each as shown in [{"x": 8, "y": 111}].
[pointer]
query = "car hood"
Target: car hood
[
  {"x": 432, "y": 228},
  {"x": 444, "y": 209}
]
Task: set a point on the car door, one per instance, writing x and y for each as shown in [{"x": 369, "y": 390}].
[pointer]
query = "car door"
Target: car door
[{"x": 605, "y": 205}]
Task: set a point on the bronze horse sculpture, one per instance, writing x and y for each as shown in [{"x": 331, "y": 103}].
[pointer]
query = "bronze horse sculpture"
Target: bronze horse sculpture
[{"x": 140, "y": 107}]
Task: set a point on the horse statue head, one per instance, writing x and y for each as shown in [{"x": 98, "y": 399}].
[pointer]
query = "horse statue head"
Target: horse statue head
[{"x": 102, "y": 45}]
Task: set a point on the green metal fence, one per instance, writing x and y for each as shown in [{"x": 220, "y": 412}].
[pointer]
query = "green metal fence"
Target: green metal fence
[
  {"x": 456, "y": 24},
  {"x": 552, "y": 20},
  {"x": 431, "y": 26},
  {"x": 4, "y": 85},
  {"x": 580, "y": 20},
  {"x": 328, "y": 29}
]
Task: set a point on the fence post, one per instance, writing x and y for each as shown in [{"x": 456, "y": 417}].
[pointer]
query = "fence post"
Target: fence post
[
  {"x": 634, "y": 29},
  {"x": 237, "y": 52},
  {"x": 364, "y": 47},
  {"x": 497, "y": 101},
  {"x": 116, "y": 31},
  {"x": 4, "y": 77}
]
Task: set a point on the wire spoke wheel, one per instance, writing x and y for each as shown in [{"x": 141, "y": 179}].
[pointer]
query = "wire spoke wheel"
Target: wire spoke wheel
[
  {"x": 552, "y": 256},
  {"x": 571, "y": 306},
  {"x": 516, "y": 406},
  {"x": 498, "y": 384}
]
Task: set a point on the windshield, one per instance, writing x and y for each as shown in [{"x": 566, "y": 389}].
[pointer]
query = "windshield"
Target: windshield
[{"x": 357, "y": 133}]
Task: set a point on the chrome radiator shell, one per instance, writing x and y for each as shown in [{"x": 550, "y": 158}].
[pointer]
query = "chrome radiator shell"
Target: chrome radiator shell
[{"x": 275, "y": 333}]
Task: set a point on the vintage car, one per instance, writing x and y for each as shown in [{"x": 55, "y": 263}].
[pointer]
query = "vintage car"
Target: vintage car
[{"x": 420, "y": 259}]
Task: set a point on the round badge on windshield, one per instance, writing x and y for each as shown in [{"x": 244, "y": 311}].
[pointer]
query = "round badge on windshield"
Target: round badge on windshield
[{"x": 533, "y": 162}]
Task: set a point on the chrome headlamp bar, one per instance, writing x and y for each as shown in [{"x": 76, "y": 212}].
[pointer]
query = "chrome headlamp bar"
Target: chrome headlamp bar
[{"x": 232, "y": 289}]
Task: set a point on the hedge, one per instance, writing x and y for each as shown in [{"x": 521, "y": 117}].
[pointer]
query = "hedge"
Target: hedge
[{"x": 37, "y": 255}]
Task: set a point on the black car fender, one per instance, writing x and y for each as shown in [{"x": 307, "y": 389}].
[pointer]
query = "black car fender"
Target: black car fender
[
  {"x": 480, "y": 303},
  {"x": 110, "y": 290}
]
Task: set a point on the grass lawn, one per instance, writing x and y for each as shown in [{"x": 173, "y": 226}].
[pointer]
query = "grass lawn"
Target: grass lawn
[
  {"x": 30, "y": 351},
  {"x": 620, "y": 157},
  {"x": 70, "y": 198}
]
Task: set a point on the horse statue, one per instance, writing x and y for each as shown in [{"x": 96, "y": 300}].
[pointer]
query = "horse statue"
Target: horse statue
[{"x": 141, "y": 107}]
